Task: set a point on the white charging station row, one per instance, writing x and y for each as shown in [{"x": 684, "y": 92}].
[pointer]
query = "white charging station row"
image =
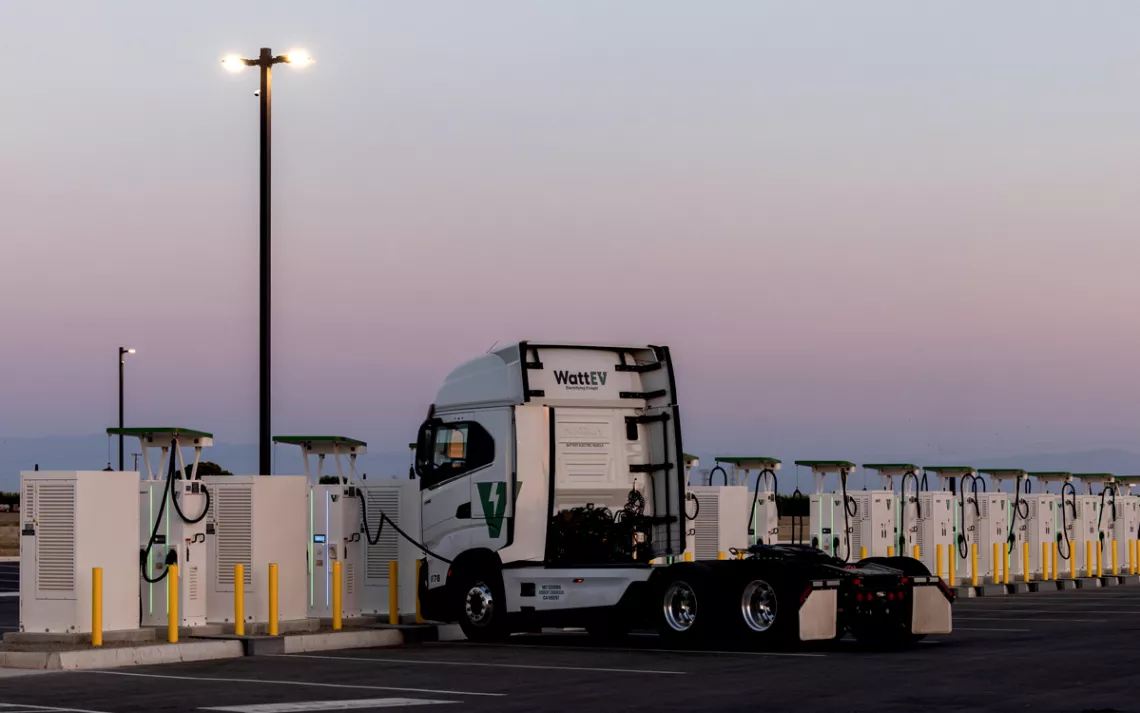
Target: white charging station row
[
  {"x": 954, "y": 528},
  {"x": 134, "y": 527}
]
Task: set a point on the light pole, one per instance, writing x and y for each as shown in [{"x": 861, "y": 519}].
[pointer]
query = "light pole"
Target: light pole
[
  {"x": 123, "y": 352},
  {"x": 265, "y": 62}
]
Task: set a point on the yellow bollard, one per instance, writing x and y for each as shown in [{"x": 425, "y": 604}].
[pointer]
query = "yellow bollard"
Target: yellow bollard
[
  {"x": 917, "y": 552},
  {"x": 394, "y": 592},
  {"x": 1025, "y": 560},
  {"x": 239, "y": 600},
  {"x": 1044, "y": 561},
  {"x": 1088, "y": 558},
  {"x": 96, "y": 606},
  {"x": 1056, "y": 571},
  {"x": 938, "y": 560},
  {"x": 890, "y": 550},
  {"x": 688, "y": 556},
  {"x": 950, "y": 567},
  {"x": 1099, "y": 559},
  {"x": 863, "y": 552},
  {"x": 273, "y": 599},
  {"x": 419, "y": 617},
  {"x": 1115, "y": 560},
  {"x": 1005, "y": 565},
  {"x": 720, "y": 555},
  {"x": 974, "y": 564},
  {"x": 336, "y": 608},
  {"x": 1072, "y": 561},
  {"x": 172, "y": 603},
  {"x": 1131, "y": 556},
  {"x": 996, "y": 564}
]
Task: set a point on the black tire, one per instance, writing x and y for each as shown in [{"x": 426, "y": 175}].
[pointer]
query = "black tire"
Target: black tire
[
  {"x": 685, "y": 604},
  {"x": 480, "y": 603},
  {"x": 764, "y": 608}
]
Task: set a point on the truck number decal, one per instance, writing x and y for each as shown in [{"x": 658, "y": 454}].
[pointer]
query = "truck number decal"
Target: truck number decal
[{"x": 551, "y": 592}]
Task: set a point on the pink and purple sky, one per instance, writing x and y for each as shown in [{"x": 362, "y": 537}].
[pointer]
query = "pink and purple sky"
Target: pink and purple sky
[{"x": 912, "y": 225}]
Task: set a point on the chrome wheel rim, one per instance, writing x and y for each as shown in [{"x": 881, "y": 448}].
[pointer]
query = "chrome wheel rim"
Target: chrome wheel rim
[
  {"x": 758, "y": 605},
  {"x": 680, "y": 606},
  {"x": 479, "y": 604}
]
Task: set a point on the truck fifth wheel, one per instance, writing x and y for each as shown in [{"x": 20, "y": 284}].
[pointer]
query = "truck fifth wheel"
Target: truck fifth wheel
[{"x": 551, "y": 475}]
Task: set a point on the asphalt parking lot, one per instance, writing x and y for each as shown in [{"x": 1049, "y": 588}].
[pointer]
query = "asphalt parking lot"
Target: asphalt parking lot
[{"x": 1059, "y": 651}]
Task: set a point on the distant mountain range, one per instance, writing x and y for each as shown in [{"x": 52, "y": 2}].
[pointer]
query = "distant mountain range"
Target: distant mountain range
[{"x": 91, "y": 453}]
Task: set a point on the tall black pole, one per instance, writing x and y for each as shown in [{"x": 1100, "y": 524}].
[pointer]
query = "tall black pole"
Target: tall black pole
[
  {"x": 265, "y": 62},
  {"x": 121, "y": 360}
]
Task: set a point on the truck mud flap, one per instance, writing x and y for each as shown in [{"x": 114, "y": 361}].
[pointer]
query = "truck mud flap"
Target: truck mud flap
[
  {"x": 930, "y": 607},
  {"x": 819, "y": 607}
]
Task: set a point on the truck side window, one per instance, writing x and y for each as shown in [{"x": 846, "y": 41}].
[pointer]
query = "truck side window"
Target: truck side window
[{"x": 459, "y": 448}]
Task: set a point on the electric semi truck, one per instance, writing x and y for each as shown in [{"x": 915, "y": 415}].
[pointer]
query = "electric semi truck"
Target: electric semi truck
[{"x": 553, "y": 494}]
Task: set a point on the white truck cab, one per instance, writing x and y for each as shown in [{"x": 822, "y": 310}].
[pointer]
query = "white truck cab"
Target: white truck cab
[{"x": 556, "y": 469}]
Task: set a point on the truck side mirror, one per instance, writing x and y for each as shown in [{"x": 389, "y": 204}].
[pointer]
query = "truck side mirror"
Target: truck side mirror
[{"x": 424, "y": 458}]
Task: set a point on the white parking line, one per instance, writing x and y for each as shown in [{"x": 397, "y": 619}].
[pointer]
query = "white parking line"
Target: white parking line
[
  {"x": 648, "y": 651},
  {"x": 1051, "y": 610},
  {"x": 1060, "y": 620},
  {"x": 326, "y": 705},
  {"x": 13, "y": 707},
  {"x": 481, "y": 664},
  {"x": 214, "y": 679}
]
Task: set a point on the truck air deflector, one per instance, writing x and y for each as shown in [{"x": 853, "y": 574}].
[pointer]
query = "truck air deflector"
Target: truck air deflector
[{"x": 646, "y": 395}]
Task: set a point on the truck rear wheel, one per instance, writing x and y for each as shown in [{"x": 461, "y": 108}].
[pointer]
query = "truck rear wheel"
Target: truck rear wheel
[
  {"x": 480, "y": 604},
  {"x": 766, "y": 613},
  {"x": 684, "y": 604}
]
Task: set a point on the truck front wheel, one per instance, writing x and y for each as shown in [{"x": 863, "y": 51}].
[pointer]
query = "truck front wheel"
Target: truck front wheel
[
  {"x": 481, "y": 606},
  {"x": 685, "y": 606}
]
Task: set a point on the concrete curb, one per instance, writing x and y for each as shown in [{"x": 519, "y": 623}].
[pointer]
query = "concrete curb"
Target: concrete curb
[
  {"x": 343, "y": 640},
  {"x": 123, "y": 656}
]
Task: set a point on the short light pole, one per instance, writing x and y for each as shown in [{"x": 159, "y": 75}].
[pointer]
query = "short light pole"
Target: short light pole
[
  {"x": 265, "y": 62},
  {"x": 123, "y": 352}
]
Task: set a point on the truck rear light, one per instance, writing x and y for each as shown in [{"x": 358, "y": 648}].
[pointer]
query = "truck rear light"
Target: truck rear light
[{"x": 806, "y": 593}]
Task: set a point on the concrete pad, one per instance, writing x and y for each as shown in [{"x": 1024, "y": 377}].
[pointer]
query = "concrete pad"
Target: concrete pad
[
  {"x": 75, "y": 639},
  {"x": 450, "y": 630},
  {"x": 1109, "y": 581},
  {"x": 343, "y": 640},
  {"x": 1087, "y": 582},
  {"x": 1044, "y": 586},
  {"x": 1066, "y": 584},
  {"x": 1130, "y": 580},
  {"x": 261, "y": 628},
  {"x": 1017, "y": 587},
  {"x": 210, "y": 650},
  {"x": 24, "y": 659},
  {"x": 991, "y": 590}
]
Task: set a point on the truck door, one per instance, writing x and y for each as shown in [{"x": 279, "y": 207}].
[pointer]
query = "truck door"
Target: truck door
[{"x": 464, "y": 477}]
